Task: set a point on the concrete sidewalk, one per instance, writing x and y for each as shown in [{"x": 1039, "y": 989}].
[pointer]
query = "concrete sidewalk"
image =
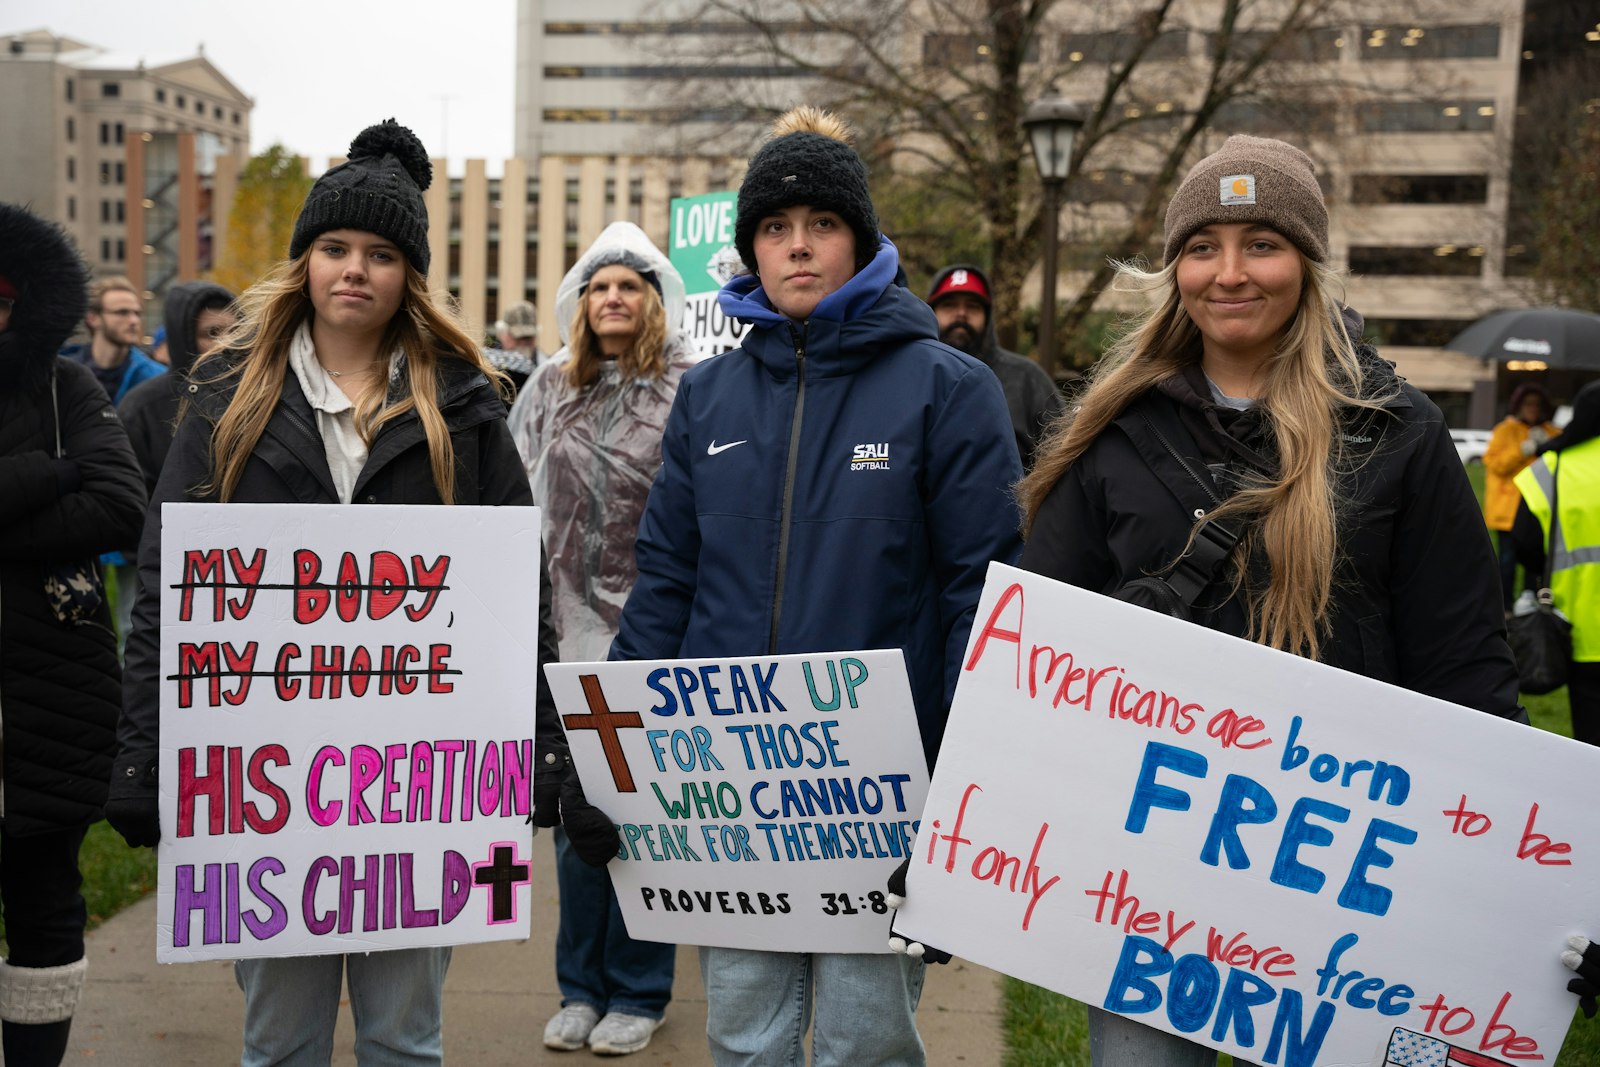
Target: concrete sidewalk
[{"x": 136, "y": 1013}]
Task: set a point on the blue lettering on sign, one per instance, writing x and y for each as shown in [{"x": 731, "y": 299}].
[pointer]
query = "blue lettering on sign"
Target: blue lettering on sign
[
  {"x": 1243, "y": 801},
  {"x": 1196, "y": 993},
  {"x": 676, "y": 687}
]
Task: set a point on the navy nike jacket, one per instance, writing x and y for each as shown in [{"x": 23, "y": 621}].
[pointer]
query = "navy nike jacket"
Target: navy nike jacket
[{"x": 835, "y": 484}]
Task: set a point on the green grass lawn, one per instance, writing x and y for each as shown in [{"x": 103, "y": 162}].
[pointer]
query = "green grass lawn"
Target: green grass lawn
[{"x": 1044, "y": 1029}]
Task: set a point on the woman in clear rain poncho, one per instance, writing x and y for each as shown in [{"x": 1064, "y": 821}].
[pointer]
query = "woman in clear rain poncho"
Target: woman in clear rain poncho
[{"x": 589, "y": 426}]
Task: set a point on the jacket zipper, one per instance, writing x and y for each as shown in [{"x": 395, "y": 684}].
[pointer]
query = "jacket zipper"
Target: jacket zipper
[
  {"x": 1203, "y": 482},
  {"x": 788, "y": 485}
]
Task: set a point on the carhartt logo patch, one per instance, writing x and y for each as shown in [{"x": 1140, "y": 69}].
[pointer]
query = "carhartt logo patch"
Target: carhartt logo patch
[{"x": 1238, "y": 189}]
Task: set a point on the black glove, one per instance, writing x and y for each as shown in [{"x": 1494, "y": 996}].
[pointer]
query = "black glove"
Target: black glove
[
  {"x": 588, "y": 828},
  {"x": 1583, "y": 956},
  {"x": 131, "y": 806},
  {"x": 897, "y": 900},
  {"x": 547, "y": 779}
]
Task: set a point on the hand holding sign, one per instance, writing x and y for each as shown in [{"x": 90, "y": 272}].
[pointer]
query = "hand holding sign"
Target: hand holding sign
[
  {"x": 897, "y": 899},
  {"x": 1583, "y": 956},
  {"x": 591, "y": 831}
]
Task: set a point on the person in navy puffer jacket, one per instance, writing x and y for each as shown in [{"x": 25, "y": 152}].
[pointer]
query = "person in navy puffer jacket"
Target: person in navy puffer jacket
[{"x": 840, "y": 481}]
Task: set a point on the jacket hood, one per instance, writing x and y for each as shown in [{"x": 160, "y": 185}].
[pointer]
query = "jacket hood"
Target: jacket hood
[
  {"x": 1585, "y": 423},
  {"x": 52, "y": 284},
  {"x": 182, "y": 309},
  {"x": 988, "y": 340},
  {"x": 846, "y": 330},
  {"x": 619, "y": 243}
]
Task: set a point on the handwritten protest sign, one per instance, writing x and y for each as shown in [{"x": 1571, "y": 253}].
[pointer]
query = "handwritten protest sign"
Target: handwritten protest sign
[
  {"x": 347, "y": 721},
  {"x": 762, "y": 802},
  {"x": 1282, "y": 860},
  {"x": 701, "y": 248}
]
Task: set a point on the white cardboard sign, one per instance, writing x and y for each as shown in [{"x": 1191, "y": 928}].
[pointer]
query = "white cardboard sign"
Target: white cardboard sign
[
  {"x": 762, "y": 802},
  {"x": 347, "y": 724},
  {"x": 1288, "y": 862}
]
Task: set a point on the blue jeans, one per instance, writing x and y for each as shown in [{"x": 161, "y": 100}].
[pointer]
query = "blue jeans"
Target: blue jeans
[
  {"x": 396, "y": 999},
  {"x": 597, "y": 963},
  {"x": 759, "y": 1003},
  {"x": 1118, "y": 1041}
]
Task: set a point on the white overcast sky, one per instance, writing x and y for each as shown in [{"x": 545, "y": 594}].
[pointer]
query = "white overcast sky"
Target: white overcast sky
[{"x": 321, "y": 70}]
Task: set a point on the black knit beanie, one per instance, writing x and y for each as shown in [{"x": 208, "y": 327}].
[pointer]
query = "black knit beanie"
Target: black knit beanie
[
  {"x": 808, "y": 161},
  {"x": 378, "y": 190}
]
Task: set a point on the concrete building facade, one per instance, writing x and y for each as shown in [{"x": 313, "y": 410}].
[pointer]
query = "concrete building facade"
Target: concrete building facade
[{"x": 81, "y": 120}]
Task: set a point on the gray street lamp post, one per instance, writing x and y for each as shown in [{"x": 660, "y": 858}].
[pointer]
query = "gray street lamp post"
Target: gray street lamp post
[{"x": 1051, "y": 124}]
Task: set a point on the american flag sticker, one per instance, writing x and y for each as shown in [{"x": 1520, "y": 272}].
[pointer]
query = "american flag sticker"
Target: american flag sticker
[{"x": 1407, "y": 1048}]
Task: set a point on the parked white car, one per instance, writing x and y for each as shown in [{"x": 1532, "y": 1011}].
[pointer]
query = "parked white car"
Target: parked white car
[{"x": 1470, "y": 444}]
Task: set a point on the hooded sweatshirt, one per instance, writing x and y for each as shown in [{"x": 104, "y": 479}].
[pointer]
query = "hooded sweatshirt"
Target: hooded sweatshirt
[
  {"x": 838, "y": 483},
  {"x": 150, "y": 409},
  {"x": 1031, "y": 396}
]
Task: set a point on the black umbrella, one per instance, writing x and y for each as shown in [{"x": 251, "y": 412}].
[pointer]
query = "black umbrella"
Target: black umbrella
[{"x": 1557, "y": 337}]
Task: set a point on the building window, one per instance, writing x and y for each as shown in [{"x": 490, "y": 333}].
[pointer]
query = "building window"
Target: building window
[
  {"x": 1419, "y": 189},
  {"x": 72, "y": 169},
  {"x": 72, "y": 130},
  {"x": 72, "y": 209},
  {"x": 1437, "y": 42},
  {"x": 110, "y": 89},
  {"x": 122, "y": 211},
  {"x": 1274, "y": 118},
  {"x": 120, "y": 177},
  {"x": 1116, "y": 47},
  {"x": 1426, "y": 116},
  {"x": 1417, "y": 333},
  {"x": 236, "y": 118},
  {"x": 105, "y": 173},
  {"x": 1435, "y": 261},
  {"x": 1306, "y": 46},
  {"x": 216, "y": 113},
  {"x": 161, "y": 96},
  {"x": 105, "y": 211},
  {"x": 119, "y": 133},
  {"x": 199, "y": 107},
  {"x": 965, "y": 49},
  {"x": 122, "y": 250},
  {"x": 105, "y": 248},
  {"x": 72, "y": 90},
  {"x": 180, "y": 100},
  {"x": 105, "y": 133}
]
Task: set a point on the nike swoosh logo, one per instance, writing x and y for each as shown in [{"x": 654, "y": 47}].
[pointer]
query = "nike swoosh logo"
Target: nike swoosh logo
[{"x": 713, "y": 448}]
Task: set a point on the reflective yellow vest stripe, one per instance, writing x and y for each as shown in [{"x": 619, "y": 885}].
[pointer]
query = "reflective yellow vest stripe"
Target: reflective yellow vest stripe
[{"x": 1575, "y": 547}]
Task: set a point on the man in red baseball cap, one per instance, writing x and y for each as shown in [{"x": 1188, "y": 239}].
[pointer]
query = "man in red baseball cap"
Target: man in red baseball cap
[{"x": 960, "y": 300}]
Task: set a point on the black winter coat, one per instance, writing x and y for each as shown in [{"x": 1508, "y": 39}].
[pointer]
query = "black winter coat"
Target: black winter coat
[
  {"x": 289, "y": 465},
  {"x": 1415, "y": 597},
  {"x": 59, "y": 683}
]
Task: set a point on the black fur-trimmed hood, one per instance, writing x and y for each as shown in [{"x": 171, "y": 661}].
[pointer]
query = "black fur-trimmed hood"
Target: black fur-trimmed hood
[{"x": 52, "y": 286}]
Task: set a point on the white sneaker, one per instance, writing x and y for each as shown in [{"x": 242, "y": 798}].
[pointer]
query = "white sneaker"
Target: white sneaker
[
  {"x": 570, "y": 1027},
  {"x": 618, "y": 1034}
]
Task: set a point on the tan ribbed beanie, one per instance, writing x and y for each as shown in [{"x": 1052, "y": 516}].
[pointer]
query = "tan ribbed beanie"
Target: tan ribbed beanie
[{"x": 1252, "y": 179}]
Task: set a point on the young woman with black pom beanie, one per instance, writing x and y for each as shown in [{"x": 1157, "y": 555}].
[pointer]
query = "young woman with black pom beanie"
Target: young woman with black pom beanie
[{"x": 345, "y": 381}]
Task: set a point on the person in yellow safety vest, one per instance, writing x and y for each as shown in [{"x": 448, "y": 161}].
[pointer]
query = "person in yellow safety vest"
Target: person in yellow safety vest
[
  {"x": 1512, "y": 446},
  {"x": 1568, "y": 470}
]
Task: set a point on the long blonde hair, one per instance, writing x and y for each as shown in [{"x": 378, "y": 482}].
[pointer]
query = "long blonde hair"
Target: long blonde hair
[
  {"x": 646, "y": 356},
  {"x": 1292, "y": 518},
  {"x": 256, "y": 353}
]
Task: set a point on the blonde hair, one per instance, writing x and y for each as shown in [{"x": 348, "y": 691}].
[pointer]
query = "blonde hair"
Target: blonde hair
[
  {"x": 646, "y": 356},
  {"x": 1293, "y": 518},
  {"x": 256, "y": 352}
]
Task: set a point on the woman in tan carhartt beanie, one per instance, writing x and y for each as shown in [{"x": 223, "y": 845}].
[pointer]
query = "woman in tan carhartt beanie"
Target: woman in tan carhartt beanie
[
  {"x": 1241, "y": 462},
  {"x": 1252, "y": 179}
]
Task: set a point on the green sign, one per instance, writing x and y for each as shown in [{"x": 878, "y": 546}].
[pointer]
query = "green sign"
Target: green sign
[
  {"x": 700, "y": 245},
  {"x": 701, "y": 242}
]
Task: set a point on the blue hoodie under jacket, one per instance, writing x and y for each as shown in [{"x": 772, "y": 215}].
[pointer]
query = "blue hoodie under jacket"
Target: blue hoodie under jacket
[{"x": 835, "y": 484}]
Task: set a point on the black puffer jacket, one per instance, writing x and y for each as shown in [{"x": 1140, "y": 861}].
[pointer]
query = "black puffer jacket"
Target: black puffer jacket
[
  {"x": 289, "y": 466},
  {"x": 150, "y": 410},
  {"x": 59, "y": 683},
  {"x": 1415, "y": 599}
]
